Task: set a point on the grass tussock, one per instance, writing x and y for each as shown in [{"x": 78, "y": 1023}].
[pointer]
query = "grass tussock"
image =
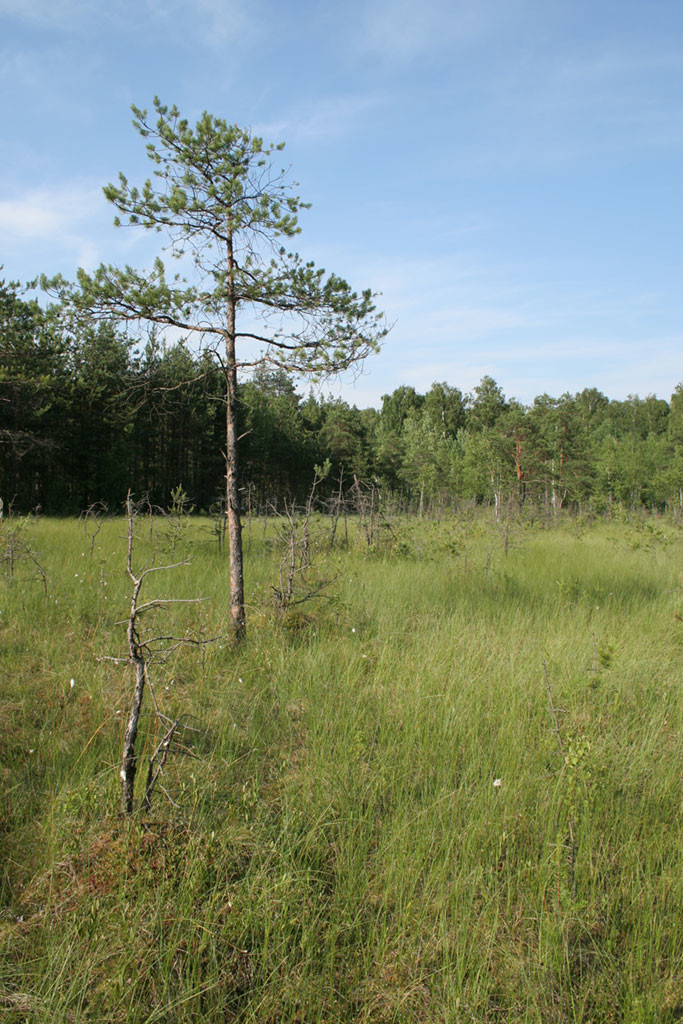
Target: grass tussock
[{"x": 373, "y": 818}]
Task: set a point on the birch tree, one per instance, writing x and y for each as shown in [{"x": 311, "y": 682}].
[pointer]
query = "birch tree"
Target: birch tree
[{"x": 225, "y": 209}]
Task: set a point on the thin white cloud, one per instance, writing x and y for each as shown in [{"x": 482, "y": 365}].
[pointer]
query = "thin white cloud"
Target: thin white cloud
[
  {"x": 329, "y": 118},
  {"x": 524, "y": 376},
  {"x": 44, "y": 214},
  {"x": 50, "y": 13},
  {"x": 555, "y": 107},
  {"x": 400, "y": 30},
  {"x": 470, "y": 323},
  {"x": 17, "y": 67},
  {"x": 67, "y": 226},
  {"x": 215, "y": 22},
  {"x": 460, "y": 295}
]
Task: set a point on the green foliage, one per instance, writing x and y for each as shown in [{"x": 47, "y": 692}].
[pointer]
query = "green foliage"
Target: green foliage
[
  {"x": 488, "y": 403},
  {"x": 224, "y": 206},
  {"x": 83, "y": 416},
  {"x": 445, "y": 407},
  {"x": 34, "y": 380},
  {"x": 176, "y": 523}
]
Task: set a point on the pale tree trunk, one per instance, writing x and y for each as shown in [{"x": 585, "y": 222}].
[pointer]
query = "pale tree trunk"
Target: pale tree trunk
[
  {"x": 552, "y": 486},
  {"x": 237, "y": 615},
  {"x": 129, "y": 762},
  {"x": 497, "y": 496}
]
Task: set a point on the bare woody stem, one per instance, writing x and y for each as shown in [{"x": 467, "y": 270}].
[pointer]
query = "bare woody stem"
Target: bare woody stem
[
  {"x": 141, "y": 651},
  {"x": 137, "y": 659}
]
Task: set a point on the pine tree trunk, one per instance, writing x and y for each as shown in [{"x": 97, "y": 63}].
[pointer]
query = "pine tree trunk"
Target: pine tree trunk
[
  {"x": 237, "y": 615},
  {"x": 232, "y": 496}
]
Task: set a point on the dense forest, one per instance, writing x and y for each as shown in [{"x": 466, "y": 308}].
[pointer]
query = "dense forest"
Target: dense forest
[{"x": 85, "y": 415}]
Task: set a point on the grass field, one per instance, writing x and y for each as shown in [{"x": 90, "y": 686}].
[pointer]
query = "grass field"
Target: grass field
[{"x": 374, "y": 819}]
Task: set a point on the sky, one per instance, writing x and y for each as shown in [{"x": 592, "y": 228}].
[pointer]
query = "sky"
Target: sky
[{"x": 508, "y": 174}]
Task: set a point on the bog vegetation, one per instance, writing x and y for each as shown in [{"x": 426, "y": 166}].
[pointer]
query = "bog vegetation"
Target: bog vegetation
[
  {"x": 440, "y": 777},
  {"x": 446, "y": 786}
]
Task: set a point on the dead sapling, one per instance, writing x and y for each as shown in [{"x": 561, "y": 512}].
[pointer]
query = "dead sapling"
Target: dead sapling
[
  {"x": 219, "y": 523},
  {"x": 92, "y": 518},
  {"x": 143, "y": 651},
  {"x": 369, "y": 508},
  {"x": 336, "y": 504},
  {"x": 298, "y": 580},
  {"x": 20, "y": 561},
  {"x": 152, "y": 511}
]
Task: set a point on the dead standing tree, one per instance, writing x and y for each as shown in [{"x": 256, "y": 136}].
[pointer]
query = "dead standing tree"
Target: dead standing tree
[
  {"x": 15, "y": 549},
  {"x": 368, "y": 508},
  {"x": 141, "y": 651},
  {"x": 92, "y": 518},
  {"x": 298, "y": 582},
  {"x": 224, "y": 208}
]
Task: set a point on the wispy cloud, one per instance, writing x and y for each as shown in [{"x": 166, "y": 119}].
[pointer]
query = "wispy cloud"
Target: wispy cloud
[
  {"x": 46, "y": 214},
  {"x": 328, "y": 118},
  {"x": 66, "y": 15},
  {"x": 214, "y": 21},
  {"x": 18, "y": 68},
  {"x": 404, "y": 29},
  {"x": 649, "y": 364},
  {"x": 68, "y": 225},
  {"x": 458, "y": 292},
  {"x": 576, "y": 101}
]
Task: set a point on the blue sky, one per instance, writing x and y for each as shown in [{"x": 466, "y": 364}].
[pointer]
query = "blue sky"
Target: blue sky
[{"x": 508, "y": 173}]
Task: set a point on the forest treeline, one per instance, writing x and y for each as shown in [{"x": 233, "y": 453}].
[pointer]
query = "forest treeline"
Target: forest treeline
[{"x": 86, "y": 414}]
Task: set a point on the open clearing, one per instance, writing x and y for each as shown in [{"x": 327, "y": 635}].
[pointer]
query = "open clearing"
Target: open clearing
[{"x": 374, "y": 819}]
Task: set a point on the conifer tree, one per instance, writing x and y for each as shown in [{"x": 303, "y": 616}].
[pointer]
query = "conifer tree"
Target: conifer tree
[{"x": 225, "y": 208}]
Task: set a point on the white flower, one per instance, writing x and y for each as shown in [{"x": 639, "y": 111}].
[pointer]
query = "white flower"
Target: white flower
[
  {"x": 72, "y": 683},
  {"x": 497, "y": 783},
  {"x": 353, "y": 629}
]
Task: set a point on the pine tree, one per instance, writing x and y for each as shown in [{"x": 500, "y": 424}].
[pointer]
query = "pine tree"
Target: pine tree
[{"x": 225, "y": 208}]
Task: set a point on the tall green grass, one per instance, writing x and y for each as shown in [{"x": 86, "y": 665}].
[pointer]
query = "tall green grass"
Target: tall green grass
[{"x": 339, "y": 851}]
